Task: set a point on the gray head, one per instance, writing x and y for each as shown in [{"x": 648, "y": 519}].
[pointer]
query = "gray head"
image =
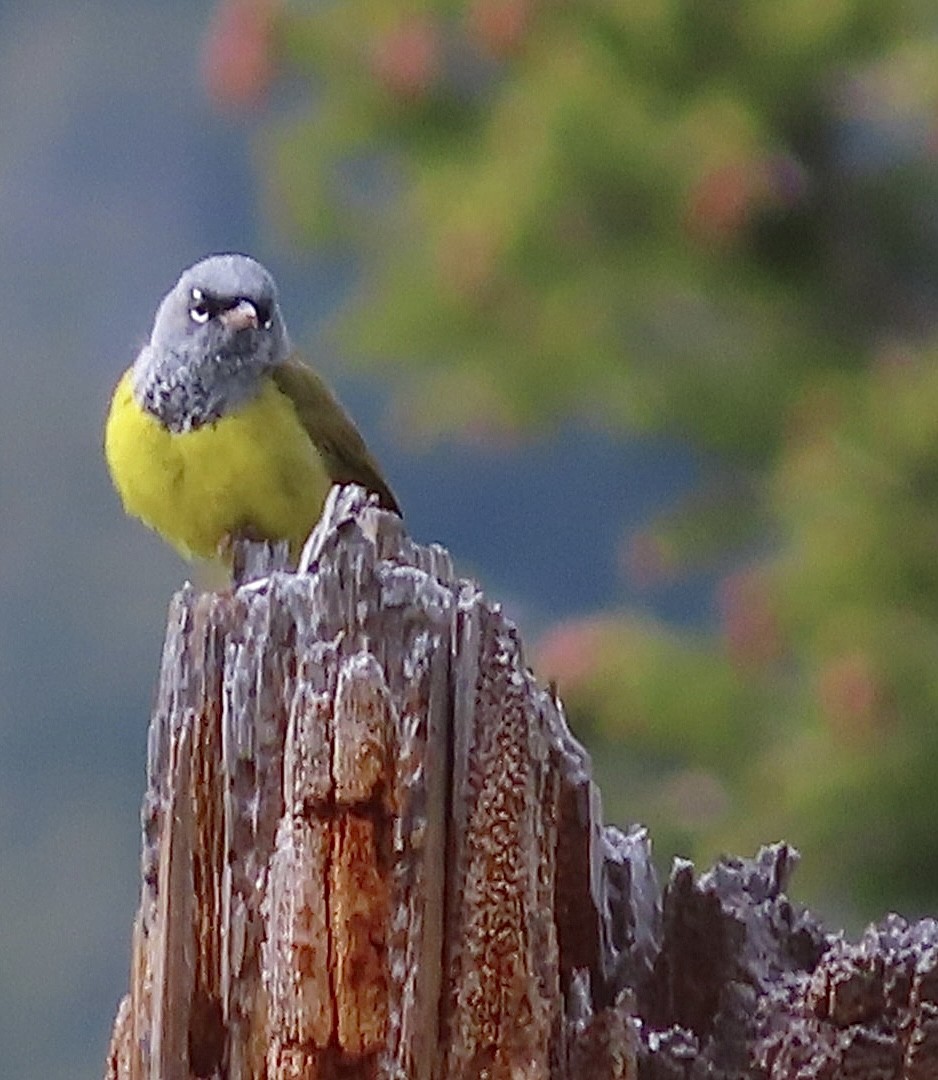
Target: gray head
[{"x": 216, "y": 334}]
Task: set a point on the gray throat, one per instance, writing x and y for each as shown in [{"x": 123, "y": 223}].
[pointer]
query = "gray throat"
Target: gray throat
[{"x": 185, "y": 396}]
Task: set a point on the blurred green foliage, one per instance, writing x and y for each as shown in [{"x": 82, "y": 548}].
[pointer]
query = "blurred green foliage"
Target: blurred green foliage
[{"x": 712, "y": 219}]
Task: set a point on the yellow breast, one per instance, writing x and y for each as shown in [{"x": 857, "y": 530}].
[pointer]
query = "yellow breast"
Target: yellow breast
[{"x": 255, "y": 470}]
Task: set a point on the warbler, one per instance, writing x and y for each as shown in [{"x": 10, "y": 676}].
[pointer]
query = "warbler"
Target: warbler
[{"x": 218, "y": 430}]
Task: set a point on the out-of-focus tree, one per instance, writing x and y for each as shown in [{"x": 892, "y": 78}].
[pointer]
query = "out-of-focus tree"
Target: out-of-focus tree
[{"x": 710, "y": 219}]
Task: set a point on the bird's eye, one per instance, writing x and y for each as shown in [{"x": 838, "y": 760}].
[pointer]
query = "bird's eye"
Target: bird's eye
[{"x": 200, "y": 310}]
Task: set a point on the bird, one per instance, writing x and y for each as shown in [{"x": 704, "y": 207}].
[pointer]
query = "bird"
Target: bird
[{"x": 219, "y": 431}]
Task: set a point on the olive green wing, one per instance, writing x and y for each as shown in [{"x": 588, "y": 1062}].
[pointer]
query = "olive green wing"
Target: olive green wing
[{"x": 332, "y": 431}]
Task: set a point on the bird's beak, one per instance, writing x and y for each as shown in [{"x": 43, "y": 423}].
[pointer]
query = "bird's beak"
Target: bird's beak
[{"x": 239, "y": 317}]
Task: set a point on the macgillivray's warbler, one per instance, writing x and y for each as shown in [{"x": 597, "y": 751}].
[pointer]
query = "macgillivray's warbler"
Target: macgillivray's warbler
[{"x": 218, "y": 431}]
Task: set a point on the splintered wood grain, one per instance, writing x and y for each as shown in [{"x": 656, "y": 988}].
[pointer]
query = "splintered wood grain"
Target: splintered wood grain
[
  {"x": 206, "y": 1037},
  {"x": 364, "y": 722},
  {"x": 297, "y": 948},
  {"x": 362, "y": 828},
  {"x": 503, "y": 1008},
  {"x": 256, "y": 686},
  {"x": 121, "y": 1050},
  {"x": 133, "y": 1022},
  {"x": 327, "y": 900},
  {"x": 359, "y": 912},
  {"x": 296, "y": 951},
  {"x": 350, "y": 849}
]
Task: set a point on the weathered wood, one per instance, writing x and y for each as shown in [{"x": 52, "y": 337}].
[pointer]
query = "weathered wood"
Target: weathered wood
[{"x": 371, "y": 848}]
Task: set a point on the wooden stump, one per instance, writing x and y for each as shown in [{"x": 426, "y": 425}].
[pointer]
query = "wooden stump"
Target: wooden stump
[{"x": 371, "y": 848}]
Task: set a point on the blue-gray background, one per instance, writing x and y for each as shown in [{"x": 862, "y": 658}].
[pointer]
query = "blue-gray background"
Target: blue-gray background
[{"x": 115, "y": 172}]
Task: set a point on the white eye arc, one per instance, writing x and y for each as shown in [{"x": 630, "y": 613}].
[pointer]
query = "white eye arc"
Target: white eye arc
[{"x": 199, "y": 311}]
